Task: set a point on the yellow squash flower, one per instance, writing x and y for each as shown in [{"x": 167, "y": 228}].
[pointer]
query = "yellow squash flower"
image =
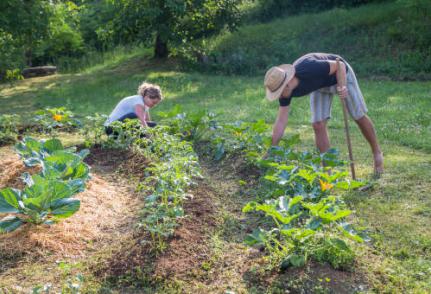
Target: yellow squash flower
[
  {"x": 325, "y": 186},
  {"x": 57, "y": 117}
]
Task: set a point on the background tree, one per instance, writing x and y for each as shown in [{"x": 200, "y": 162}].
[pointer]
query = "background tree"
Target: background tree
[
  {"x": 27, "y": 21},
  {"x": 173, "y": 21}
]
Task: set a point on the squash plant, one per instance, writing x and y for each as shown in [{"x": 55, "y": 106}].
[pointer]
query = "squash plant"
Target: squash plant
[
  {"x": 190, "y": 126},
  {"x": 50, "y": 119},
  {"x": 298, "y": 198}
]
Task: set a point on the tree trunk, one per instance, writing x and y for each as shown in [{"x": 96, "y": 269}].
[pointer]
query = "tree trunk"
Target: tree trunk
[{"x": 161, "y": 50}]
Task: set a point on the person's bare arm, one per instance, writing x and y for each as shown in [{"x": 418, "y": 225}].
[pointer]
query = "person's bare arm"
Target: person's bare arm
[
  {"x": 341, "y": 77},
  {"x": 141, "y": 114},
  {"x": 280, "y": 124}
]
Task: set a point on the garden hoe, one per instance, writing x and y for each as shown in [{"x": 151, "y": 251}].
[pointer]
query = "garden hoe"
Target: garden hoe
[{"x": 342, "y": 83}]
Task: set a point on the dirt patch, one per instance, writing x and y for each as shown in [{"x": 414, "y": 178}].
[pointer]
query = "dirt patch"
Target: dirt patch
[
  {"x": 188, "y": 248},
  {"x": 314, "y": 277},
  {"x": 136, "y": 261},
  {"x": 113, "y": 160}
]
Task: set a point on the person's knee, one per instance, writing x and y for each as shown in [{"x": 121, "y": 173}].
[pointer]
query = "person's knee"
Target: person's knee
[
  {"x": 360, "y": 118},
  {"x": 319, "y": 126}
]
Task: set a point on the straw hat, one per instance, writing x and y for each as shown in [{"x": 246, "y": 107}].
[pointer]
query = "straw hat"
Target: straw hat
[{"x": 276, "y": 79}]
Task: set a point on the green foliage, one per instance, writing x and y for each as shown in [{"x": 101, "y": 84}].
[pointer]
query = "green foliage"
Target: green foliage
[
  {"x": 239, "y": 136},
  {"x": 27, "y": 21},
  {"x": 13, "y": 75},
  {"x": 334, "y": 251},
  {"x": 190, "y": 126},
  {"x": 64, "y": 38},
  {"x": 170, "y": 21},
  {"x": 267, "y": 10},
  {"x": 301, "y": 207},
  {"x": 391, "y": 39},
  {"x": 72, "y": 286},
  {"x": 10, "y": 53},
  {"x": 296, "y": 196},
  {"x": 8, "y": 128},
  {"x": 33, "y": 151},
  {"x": 47, "y": 197},
  {"x": 52, "y": 119},
  {"x": 173, "y": 169},
  {"x": 93, "y": 129}
]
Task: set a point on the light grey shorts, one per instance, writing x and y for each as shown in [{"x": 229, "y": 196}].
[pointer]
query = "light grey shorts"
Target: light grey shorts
[{"x": 321, "y": 100}]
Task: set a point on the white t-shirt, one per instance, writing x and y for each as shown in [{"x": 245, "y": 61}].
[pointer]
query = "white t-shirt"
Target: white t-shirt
[{"x": 124, "y": 107}]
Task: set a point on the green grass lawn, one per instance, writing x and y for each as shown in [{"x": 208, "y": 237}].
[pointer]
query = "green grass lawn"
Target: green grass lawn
[{"x": 397, "y": 210}]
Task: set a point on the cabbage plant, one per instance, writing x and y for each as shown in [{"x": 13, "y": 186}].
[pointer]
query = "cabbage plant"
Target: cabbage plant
[
  {"x": 45, "y": 201},
  {"x": 48, "y": 196}
]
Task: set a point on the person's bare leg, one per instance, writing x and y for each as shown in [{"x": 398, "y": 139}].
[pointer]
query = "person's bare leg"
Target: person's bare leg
[
  {"x": 367, "y": 128},
  {"x": 321, "y": 136}
]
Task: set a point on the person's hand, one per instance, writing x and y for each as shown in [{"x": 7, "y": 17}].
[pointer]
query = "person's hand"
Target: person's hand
[{"x": 342, "y": 92}]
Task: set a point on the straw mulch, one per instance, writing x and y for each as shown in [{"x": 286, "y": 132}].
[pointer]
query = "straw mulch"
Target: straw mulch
[{"x": 108, "y": 210}]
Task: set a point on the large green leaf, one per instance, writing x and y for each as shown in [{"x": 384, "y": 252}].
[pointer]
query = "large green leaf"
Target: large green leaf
[
  {"x": 52, "y": 145},
  {"x": 297, "y": 260},
  {"x": 9, "y": 224},
  {"x": 61, "y": 158},
  {"x": 9, "y": 200},
  {"x": 81, "y": 171},
  {"x": 258, "y": 237},
  {"x": 63, "y": 208},
  {"x": 76, "y": 186},
  {"x": 44, "y": 192}
]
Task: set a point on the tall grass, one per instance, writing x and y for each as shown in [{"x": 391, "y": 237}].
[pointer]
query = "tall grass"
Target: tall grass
[{"x": 388, "y": 39}]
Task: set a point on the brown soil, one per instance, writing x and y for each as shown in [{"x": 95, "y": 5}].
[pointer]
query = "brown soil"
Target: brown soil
[
  {"x": 128, "y": 163},
  {"x": 309, "y": 279},
  {"x": 188, "y": 248},
  {"x": 186, "y": 251}
]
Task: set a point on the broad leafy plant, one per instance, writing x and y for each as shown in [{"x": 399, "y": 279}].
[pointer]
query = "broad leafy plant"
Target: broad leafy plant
[
  {"x": 45, "y": 201},
  {"x": 33, "y": 151},
  {"x": 48, "y": 196},
  {"x": 306, "y": 217},
  {"x": 248, "y": 137},
  {"x": 190, "y": 126}
]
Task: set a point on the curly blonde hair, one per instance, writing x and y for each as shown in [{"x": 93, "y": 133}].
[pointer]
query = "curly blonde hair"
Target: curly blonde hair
[{"x": 151, "y": 90}]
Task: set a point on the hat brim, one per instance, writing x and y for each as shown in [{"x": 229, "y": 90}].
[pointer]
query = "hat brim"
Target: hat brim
[{"x": 290, "y": 70}]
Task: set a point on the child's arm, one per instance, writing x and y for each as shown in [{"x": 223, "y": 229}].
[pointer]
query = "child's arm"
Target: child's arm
[{"x": 141, "y": 114}]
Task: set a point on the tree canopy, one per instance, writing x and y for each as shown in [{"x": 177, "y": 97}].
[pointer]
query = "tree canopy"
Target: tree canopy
[{"x": 37, "y": 32}]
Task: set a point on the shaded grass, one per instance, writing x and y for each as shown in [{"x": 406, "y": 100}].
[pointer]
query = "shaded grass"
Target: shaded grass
[
  {"x": 397, "y": 210},
  {"x": 382, "y": 39}
]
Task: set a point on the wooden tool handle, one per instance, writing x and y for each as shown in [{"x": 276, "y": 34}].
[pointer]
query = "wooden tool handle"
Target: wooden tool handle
[{"x": 341, "y": 81}]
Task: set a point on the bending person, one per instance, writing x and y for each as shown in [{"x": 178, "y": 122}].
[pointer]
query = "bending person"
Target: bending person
[
  {"x": 137, "y": 106},
  {"x": 315, "y": 74}
]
